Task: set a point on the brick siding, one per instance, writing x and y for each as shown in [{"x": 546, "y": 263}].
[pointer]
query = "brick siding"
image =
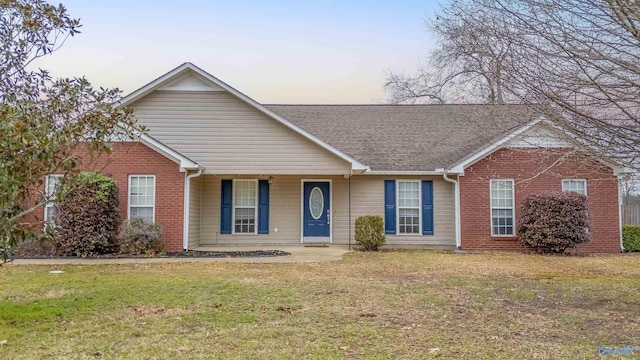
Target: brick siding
[
  {"x": 135, "y": 158},
  {"x": 535, "y": 171}
]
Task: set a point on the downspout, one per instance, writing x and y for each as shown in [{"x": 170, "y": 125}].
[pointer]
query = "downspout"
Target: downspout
[
  {"x": 456, "y": 197},
  {"x": 187, "y": 194},
  {"x": 620, "y": 202},
  {"x": 349, "y": 185}
]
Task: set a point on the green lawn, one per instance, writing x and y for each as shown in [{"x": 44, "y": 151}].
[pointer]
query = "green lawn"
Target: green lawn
[{"x": 390, "y": 305}]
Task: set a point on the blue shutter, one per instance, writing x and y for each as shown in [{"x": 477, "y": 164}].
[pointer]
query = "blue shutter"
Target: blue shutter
[
  {"x": 427, "y": 207},
  {"x": 390, "y": 207},
  {"x": 226, "y": 204},
  {"x": 263, "y": 207}
]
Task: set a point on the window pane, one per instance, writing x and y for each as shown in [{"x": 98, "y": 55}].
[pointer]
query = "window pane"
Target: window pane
[
  {"x": 142, "y": 197},
  {"x": 245, "y": 201},
  {"x": 49, "y": 214},
  {"x": 142, "y": 212},
  {"x": 408, "y": 207},
  {"x": 53, "y": 183},
  {"x": 502, "y": 221},
  {"x": 579, "y": 186},
  {"x": 245, "y": 220},
  {"x": 52, "y": 187}
]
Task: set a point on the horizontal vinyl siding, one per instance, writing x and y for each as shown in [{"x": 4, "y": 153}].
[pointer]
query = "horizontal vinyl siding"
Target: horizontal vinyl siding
[
  {"x": 194, "y": 212},
  {"x": 284, "y": 213},
  {"x": 228, "y": 136},
  {"x": 367, "y": 198}
]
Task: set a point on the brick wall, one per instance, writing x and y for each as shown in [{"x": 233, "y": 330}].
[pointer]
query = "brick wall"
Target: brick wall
[
  {"x": 535, "y": 171},
  {"x": 134, "y": 158}
]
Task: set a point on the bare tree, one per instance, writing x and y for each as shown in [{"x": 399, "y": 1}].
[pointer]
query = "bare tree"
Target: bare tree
[
  {"x": 465, "y": 67},
  {"x": 630, "y": 189},
  {"x": 577, "y": 62}
]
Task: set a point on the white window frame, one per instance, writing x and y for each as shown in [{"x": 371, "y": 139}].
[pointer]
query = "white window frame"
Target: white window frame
[
  {"x": 569, "y": 181},
  {"x": 233, "y": 207},
  {"x": 419, "y": 182},
  {"x": 512, "y": 208},
  {"x": 50, "y": 198},
  {"x": 129, "y": 206}
]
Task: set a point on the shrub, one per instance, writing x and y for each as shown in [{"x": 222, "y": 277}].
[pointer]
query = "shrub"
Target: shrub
[
  {"x": 631, "y": 238},
  {"x": 87, "y": 215},
  {"x": 370, "y": 232},
  {"x": 31, "y": 247},
  {"x": 554, "y": 221},
  {"x": 138, "y": 236}
]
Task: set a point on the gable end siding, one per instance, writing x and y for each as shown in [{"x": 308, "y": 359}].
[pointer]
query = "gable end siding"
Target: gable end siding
[{"x": 227, "y": 136}]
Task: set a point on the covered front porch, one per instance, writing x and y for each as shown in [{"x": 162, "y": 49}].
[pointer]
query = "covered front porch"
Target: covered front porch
[{"x": 268, "y": 210}]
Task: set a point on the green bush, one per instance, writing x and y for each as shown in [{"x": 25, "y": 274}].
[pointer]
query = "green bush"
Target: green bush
[
  {"x": 138, "y": 236},
  {"x": 370, "y": 232},
  {"x": 554, "y": 222},
  {"x": 87, "y": 215},
  {"x": 631, "y": 238}
]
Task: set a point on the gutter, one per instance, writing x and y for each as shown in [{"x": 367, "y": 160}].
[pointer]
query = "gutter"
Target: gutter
[
  {"x": 187, "y": 194},
  {"x": 456, "y": 184},
  {"x": 397, "y": 172}
]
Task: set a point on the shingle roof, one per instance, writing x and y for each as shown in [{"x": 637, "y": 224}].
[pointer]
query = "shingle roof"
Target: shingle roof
[{"x": 407, "y": 137}]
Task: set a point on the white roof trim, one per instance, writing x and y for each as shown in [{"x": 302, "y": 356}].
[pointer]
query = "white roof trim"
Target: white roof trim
[
  {"x": 184, "y": 162},
  {"x": 460, "y": 166},
  {"x": 171, "y": 75},
  {"x": 436, "y": 172}
]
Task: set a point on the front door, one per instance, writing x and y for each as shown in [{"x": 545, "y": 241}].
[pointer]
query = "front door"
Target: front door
[{"x": 316, "y": 212}]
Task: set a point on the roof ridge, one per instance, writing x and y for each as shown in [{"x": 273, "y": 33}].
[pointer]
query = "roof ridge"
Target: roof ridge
[{"x": 398, "y": 105}]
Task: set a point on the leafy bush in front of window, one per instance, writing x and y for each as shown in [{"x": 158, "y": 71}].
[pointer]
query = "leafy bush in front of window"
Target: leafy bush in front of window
[
  {"x": 370, "y": 232},
  {"x": 631, "y": 238},
  {"x": 139, "y": 236},
  {"x": 87, "y": 215},
  {"x": 554, "y": 222}
]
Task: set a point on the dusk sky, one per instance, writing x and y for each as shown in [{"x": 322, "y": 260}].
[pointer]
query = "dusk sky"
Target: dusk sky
[{"x": 273, "y": 51}]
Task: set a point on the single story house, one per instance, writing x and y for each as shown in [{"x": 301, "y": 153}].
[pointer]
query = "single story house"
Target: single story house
[{"x": 218, "y": 168}]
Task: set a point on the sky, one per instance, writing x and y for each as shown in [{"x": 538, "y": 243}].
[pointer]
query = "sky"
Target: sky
[{"x": 291, "y": 52}]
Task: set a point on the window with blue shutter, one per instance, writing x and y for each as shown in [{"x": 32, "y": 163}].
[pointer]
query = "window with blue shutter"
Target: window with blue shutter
[
  {"x": 263, "y": 207},
  {"x": 226, "y": 204},
  {"x": 390, "y": 207},
  {"x": 427, "y": 207}
]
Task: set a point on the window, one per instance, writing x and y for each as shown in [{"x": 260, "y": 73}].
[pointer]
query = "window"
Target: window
[
  {"x": 244, "y": 206},
  {"x": 502, "y": 208},
  {"x": 408, "y": 207},
  {"x": 52, "y": 184},
  {"x": 142, "y": 194},
  {"x": 575, "y": 185}
]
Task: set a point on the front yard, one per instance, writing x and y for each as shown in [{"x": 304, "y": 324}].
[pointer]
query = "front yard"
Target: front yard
[{"x": 390, "y": 305}]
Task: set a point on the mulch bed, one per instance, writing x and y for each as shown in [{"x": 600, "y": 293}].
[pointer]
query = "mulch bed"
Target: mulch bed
[{"x": 181, "y": 254}]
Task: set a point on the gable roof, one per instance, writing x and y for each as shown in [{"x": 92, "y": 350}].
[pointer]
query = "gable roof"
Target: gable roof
[
  {"x": 207, "y": 79},
  {"x": 406, "y": 138}
]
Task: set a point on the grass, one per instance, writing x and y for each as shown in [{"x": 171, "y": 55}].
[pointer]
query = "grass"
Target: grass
[{"x": 389, "y": 305}]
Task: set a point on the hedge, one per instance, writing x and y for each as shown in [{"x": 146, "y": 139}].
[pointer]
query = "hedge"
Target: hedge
[{"x": 631, "y": 238}]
